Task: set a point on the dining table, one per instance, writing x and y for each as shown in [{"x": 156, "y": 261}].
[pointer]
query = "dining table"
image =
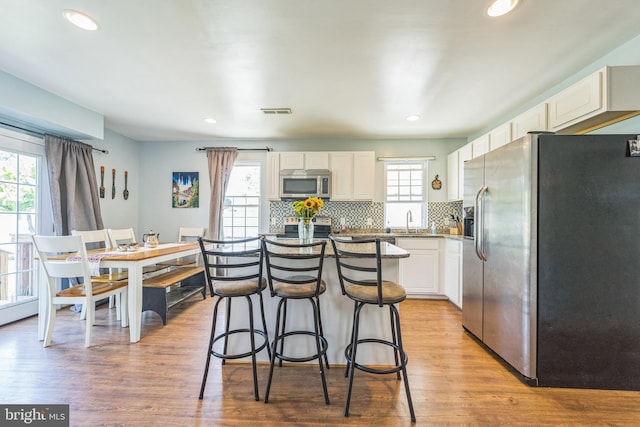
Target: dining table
[{"x": 134, "y": 262}]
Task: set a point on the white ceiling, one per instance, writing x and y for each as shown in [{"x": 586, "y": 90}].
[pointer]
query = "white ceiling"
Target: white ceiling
[{"x": 347, "y": 68}]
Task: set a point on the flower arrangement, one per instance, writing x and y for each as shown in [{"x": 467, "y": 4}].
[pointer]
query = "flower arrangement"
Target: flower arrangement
[{"x": 307, "y": 209}]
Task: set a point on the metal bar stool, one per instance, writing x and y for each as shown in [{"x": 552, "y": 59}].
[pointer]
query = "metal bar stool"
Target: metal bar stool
[
  {"x": 234, "y": 269},
  {"x": 294, "y": 272},
  {"x": 362, "y": 282}
]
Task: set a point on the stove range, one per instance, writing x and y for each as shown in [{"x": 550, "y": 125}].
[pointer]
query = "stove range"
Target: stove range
[{"x": 321, "y": 228}]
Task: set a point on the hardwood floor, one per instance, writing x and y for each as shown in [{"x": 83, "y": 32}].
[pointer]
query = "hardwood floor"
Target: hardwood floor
[{"x": 156, "y": 381}]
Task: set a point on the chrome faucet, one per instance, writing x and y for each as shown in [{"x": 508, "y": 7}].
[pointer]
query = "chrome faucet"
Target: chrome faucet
[{"x": 409, "y": 219}]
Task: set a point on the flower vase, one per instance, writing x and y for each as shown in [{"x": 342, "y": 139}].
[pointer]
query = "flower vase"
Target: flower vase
[{"x": 305, "y": 230}]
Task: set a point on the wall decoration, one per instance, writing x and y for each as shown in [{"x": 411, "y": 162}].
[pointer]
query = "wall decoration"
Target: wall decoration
[
  {"x": 102, "y": 182},
  {"x": 185, "y": 192},
  {"x": 436, "y": 184},
  {"x": 634, "y": 147},
  {"x": 113, "y": 183}
]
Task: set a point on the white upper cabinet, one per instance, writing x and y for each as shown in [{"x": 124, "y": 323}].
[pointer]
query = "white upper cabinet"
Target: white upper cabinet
[
  {"x": 480, "y": 146},
  {"x": 291, "y": 160},
  {"x": 364, "y": 174},
  {"x": 352, "y": 175},
  {"x": 273, "y": 176},
  {"x": 452, "y": 174},
  {"x": 500, "y": 136},
  {"x": 341, "y": 163},
  {"x": 533, "y": 120},
  {"x": 310, "y": 160},
  {"x": 606, "y": 96},
  {"x": 316, "y": 160},
  {"x": 578, "y": 100},
  {"x": 464, "y": 154}
]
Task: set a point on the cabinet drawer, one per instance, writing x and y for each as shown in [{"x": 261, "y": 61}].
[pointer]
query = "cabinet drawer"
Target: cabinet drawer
[{"x": 418, "y": 243}]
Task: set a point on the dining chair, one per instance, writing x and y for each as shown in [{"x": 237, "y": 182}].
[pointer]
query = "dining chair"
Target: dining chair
[
  {"x": 359, "y": 265},
  {"x": 234, "y": 270},
  {"x": 121, "y": 235},
  {"x": 187, "y": 234},
  {"x": 94, "y": 239},
  {"x": 294, "y": 273},
  {"x": 66, "y": 257}
]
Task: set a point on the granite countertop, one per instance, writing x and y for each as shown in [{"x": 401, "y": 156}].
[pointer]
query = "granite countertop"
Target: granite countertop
[
  {"x": 396, "y": 233},
  {"x": 387, "y": 249}
]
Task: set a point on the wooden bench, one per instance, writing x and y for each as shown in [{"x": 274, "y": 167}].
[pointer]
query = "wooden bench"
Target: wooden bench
[{"x": 165, "y": 290}]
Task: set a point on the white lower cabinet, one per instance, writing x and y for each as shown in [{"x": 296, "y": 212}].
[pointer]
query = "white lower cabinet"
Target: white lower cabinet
[
  {"x": 419, "y": 274},
  {"x": 453, "y": 271}
]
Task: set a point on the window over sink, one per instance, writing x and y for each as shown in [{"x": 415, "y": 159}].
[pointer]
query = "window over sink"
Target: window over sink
[{"x": 405, "y": 194}]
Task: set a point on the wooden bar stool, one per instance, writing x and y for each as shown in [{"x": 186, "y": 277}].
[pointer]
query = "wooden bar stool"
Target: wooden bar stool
[
  {"x": 294, "y": 272},
  {"x": 362, "y": 282}
]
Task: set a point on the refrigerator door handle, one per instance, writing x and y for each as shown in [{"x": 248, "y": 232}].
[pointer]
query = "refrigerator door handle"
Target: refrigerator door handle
[{"x": 478, "y": 231}]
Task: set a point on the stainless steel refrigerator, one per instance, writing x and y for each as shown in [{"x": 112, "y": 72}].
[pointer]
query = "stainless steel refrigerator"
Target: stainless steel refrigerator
[{"x": 551, "y": 261}]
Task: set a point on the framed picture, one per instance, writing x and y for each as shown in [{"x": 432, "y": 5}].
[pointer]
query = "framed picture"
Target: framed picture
[
  {"x": 185, "y": 190},
  {"x": 634, "y": 148}
]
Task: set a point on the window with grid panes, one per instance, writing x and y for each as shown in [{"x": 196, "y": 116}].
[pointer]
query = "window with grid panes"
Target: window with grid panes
[
  {"x": 242, "y": 202},
  {"x": 406, "y": 194}
]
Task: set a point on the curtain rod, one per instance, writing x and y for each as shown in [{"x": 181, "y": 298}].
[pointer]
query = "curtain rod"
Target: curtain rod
[
  {"x": 239, "y": 149},
  {"x": 42, "y": 134}
]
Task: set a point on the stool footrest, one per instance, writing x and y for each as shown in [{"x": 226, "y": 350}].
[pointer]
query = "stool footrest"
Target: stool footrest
[
  {"x": 324, "y": 345},
  {"x": 239, "y": 355},
  {"x": 403, "y": 357}
]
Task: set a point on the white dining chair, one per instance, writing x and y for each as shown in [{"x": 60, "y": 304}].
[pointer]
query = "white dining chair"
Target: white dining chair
[
  {"x": 66, "y": 257},
  {"x": 121, "y": 235},
  {"x": 187, "y": 234},
  {"x": 94, "y": 239}
]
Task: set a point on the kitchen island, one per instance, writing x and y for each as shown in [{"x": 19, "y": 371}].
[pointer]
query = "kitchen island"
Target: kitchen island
[{"x": 337, "y": 315}]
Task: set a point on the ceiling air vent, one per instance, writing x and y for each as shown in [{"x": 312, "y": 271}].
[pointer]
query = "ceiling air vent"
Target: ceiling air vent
[{"x": 276, "y": 111}]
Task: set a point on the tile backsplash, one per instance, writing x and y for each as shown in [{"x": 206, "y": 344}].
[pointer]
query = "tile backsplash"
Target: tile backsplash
[{"x": 356, "y": 213}]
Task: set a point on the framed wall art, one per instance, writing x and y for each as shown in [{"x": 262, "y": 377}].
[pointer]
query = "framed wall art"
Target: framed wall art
[{"x": 185, "y": 190}]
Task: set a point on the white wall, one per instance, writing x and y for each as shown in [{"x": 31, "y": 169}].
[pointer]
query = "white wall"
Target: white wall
[{"x": 123, "y": 155}]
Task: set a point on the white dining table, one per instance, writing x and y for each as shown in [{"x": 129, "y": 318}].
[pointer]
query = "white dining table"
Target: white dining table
[{"x": 134, "y": 262}]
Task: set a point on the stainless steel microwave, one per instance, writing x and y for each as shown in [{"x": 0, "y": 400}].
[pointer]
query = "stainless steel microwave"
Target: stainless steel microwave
[{"x": 303, "y": 183}]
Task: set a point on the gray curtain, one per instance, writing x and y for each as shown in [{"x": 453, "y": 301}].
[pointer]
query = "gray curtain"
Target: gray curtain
[
  {"x": 74, "y": 187},
  {"x": 220, "y": 165}
]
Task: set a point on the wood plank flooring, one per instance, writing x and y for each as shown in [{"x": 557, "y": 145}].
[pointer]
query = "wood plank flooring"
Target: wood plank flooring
[{"x": 156, "y": 381}]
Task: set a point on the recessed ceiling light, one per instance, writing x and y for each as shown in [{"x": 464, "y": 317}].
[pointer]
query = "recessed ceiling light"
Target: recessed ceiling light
[
  {"x": 413, "y": 118},
  {"x": 210, "y": 120},
  {"x": 501, "y": 7},
  {"x": 80, "y": 19}
]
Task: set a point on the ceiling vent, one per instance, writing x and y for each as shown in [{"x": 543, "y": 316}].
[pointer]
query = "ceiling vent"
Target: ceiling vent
[{"x": 276, "y": 111}]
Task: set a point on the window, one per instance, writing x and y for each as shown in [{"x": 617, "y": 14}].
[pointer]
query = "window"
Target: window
[
  {"x": 241, "y": 215},
  {"x": 24, "y": 210},
  {"x": 405, "y": 194}
]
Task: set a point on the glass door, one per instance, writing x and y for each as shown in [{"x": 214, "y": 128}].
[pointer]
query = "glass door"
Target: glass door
[{"x": 21, "y": 214}]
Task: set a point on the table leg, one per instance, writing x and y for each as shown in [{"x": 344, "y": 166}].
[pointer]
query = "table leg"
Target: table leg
[{"x": 135, "y": 302}]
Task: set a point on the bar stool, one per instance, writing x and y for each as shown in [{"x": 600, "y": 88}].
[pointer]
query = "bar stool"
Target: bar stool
[
  {"x": 294, "y": 272},
  {"x": 362, "y": 282},
  {"x": 234, "y": 269}
]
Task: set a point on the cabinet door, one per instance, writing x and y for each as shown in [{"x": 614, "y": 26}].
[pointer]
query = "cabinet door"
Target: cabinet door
[
  {"x": 273, "y": 176},
  {"x": 464, "y": 154},
  {"x": 291, "y": 160},
  {"x": 500, "y": 136},
  {"x": 319, "y": 160},
  {"x": 363, "y": 175},
  {"x": 480, "y": 146},
  {"x": 532, "y": 120},
  {"x": 577, "y": 100},
  {"x": 420, "y": 272},
  {"x": 452, "y": 274},
  {"x": 341, "y": 175},
  {"x": 452, "y": 174}
]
